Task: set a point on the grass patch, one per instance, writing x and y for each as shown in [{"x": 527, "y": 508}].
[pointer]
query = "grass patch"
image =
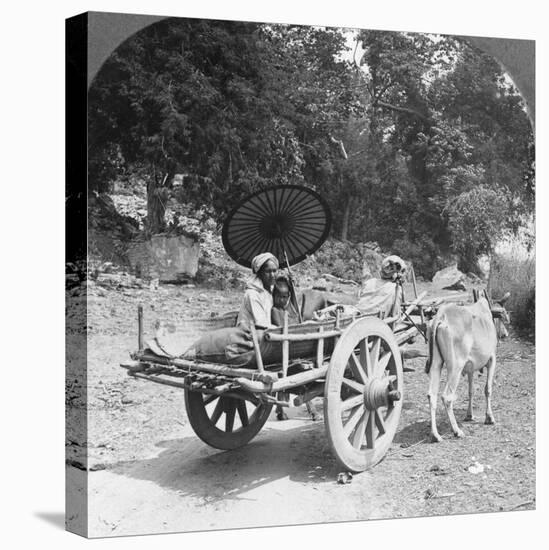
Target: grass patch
[{"x": 515, "y": 272}]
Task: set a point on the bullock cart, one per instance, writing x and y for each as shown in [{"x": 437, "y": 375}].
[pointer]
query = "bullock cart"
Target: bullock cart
[{"x": 353, "y": 362}]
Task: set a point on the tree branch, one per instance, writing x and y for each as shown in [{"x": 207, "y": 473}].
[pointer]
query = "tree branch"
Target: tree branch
[
  {"x": 354, "y": 55},
  {"x": 341, "y": 146},
  {"x": 406, "y": 110}
]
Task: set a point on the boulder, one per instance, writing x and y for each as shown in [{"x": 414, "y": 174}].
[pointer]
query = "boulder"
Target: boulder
[
  {"x": 449, "y": 278},
  {"x": 165, "y": 257}
]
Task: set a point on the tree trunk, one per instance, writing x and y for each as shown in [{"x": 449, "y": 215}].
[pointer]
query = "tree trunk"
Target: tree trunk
[
  {"x": 156, "y": 205},
  {"x": 346, "y": 217}
]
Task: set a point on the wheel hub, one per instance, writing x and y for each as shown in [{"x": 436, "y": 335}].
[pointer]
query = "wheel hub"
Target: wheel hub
[{"x": 379, "y": 392}]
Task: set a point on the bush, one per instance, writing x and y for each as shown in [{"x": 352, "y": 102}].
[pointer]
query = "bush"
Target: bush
[
  {"x": 422, "y": 254},
  {"x": 516, "y": 274},
  {"x": 221, "y": 276}
]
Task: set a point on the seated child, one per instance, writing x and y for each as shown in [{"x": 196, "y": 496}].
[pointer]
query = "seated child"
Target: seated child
[{"x": 282, "y": 303}]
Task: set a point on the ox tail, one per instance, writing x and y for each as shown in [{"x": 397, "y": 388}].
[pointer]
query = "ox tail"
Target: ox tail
[{"x": 433, "y": 346}]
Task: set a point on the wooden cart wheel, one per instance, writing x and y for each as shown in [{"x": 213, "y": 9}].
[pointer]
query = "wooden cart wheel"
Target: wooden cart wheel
[
  {"x": 225, "y": 422},
  {"x": 363, "y": 394}
]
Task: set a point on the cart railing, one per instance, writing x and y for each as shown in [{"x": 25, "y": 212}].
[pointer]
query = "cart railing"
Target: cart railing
[{"x": 313, "y": 341}]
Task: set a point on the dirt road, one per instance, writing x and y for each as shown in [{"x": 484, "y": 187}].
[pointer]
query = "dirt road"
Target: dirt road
[{"x": 151, "y": 474}]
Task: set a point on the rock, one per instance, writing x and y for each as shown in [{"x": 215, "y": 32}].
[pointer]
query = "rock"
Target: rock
[
  {"x": 343, "y": 478},
  {"x": 476, "y": 468},
  {"x": 449, "y": 278},
  {"x": 456, "y": 286}
]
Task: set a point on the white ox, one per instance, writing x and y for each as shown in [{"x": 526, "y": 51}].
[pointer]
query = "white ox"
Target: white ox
[{"x": 464, "y": 338}]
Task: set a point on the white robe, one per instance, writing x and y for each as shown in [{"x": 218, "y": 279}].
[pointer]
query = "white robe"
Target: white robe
[
  {"x": 378, "y": 295},
  {"x": 256, "y": 306}
]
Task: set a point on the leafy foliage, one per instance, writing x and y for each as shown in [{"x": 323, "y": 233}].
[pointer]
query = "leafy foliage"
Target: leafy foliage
[
  {"x": 422, "y": 145},
  {"x": 476, "y": 220}
]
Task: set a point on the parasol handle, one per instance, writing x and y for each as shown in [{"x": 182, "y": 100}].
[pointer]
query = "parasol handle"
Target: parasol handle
[{"x": 292, "y": 287}]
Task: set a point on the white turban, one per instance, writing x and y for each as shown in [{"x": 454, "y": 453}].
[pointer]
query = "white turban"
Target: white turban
[
  {"x": 392, "y": 265},
  {"x": 260, "y": 260}
]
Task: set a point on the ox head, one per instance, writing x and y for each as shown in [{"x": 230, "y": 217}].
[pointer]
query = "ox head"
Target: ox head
[{"x": 501, "y": 316}]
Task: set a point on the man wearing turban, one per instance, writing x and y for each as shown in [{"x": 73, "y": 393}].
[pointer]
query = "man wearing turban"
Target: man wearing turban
[
  {"x": 258, "y": 299},
  {"x": 383, "y": 294}
]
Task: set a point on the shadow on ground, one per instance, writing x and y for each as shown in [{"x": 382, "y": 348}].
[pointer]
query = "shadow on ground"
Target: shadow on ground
[
  {"x": 57, "y": 519},
  {"x": 295, "y": 448}
]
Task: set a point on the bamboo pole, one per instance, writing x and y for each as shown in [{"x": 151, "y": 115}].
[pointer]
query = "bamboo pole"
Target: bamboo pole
[
  {"x": 258, "y": 358},
  {"x": 284, "y": 384},
  {"x": 285, "y": 345},
  {"x": 292, "y": 287},
  {"x": 414, "y": 281},
  {"x": 140, "y": 327},
  {"x": 195, "y": 366},
  {"x": 320, "y": 349},
  {"x": 415, "y": 292},
  {"x": 274, "y": 337}
]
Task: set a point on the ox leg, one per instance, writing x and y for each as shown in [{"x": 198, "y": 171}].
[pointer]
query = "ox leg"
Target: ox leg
[
  {"x": 469, "y": 417},
  {"x": 434, "y": 382},
  {"x": 280, "y": 413},
  {"x": 311, "y": 410},
  {"x": 491, "y": 367},
  {"x": 449, "y": 396}
]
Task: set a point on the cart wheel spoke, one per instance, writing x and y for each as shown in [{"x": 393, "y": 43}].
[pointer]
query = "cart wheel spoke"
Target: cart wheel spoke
[
  {"x": 229, "y": 417},
  {"x": 360, "y": 422},
  {"x": 358, "y": 436},
  {"x": 216, "y": 415},
  {"x": 371, "y": 431},
  {"x": 375, "y": 356},
  {"x": 210, "y": 399},
  {"x": 352, "y": 421},
  {"x": 357, "y": 368},
  {"x": 252, "y": 399},
  {"x": 365, "y": 359},
  {"x": 359, "y": 388},
  {"x": 382, "y": 363},
  {"x": 352, "y": 402},
  {"x": 230, "y": 432},
  {"x": 380, "y": 423},
  {"x": 243, "y": 412}
]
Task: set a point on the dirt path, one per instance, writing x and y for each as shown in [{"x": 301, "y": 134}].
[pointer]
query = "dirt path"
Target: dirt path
[{"x": 152, "y": 474}]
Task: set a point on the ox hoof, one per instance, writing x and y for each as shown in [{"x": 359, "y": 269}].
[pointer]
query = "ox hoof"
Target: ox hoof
[
  {"x": 435, "y": 438},
  {"x": 469, "y": 418},
  {"x": 459, "y": 433},
  {"x": 314, "y": 417},
  {"x": 281, "y": 416},
  {"x": 489, "y": 421}
]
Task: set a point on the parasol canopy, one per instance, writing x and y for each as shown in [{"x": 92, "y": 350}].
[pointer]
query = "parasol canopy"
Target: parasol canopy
[{"x": 288, "y": 221}]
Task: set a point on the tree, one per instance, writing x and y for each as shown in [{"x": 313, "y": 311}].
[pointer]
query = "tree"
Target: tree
[
  {"x": 476, "y": 219},
  {"x": 394, "y": 143}
]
